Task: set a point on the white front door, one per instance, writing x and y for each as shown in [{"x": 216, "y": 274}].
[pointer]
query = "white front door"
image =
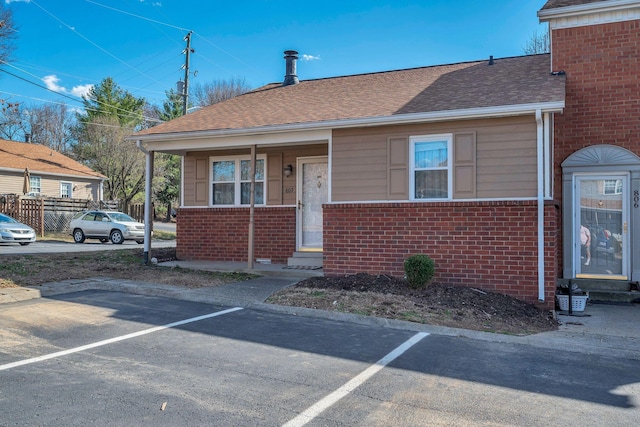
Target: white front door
[
  {"x": 312, "y": 194},
  {"x": 601, "y": 243}
]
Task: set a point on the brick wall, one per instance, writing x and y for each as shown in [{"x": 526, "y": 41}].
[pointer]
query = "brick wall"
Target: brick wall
[
  {"x": 603, "y": 89},
  {"x": 489, "y": 245},
  {"x": 221, "y": 234}
]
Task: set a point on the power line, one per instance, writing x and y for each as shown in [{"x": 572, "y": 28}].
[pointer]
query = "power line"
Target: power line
[
  {"x": 128, "y": 114},
  {"x": 92, "y": 42},
  {"x": 137, "y": 16}
]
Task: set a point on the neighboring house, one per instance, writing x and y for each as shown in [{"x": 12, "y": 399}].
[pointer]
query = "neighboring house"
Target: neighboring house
[
  {"x": 51, "y": 173},
  {"x": 489, "y": 167}
]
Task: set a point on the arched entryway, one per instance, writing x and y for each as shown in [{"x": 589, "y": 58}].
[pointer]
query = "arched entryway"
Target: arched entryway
[{"x": 601, "y": 214}]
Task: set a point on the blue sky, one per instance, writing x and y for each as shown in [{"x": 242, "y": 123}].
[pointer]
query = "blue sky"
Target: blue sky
[{"x": 69, "y": 45}]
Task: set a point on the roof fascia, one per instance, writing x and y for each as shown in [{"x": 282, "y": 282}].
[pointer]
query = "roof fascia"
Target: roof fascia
[
  {"x": 41, "y": 173},
  {"x": 259, "y": 132},
  {"x": 585, "y": 9}
]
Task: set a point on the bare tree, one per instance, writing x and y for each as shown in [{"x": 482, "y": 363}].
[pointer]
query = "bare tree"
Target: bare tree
[
  {"x": 7, "y": 33},
  {"x": 218, "y": 91},
  {"x": 538, "y": 43},
  {"x": 11, "y": 123},
  {"x": 51, "y": 125},
  {"x": 103, "y": 148}
]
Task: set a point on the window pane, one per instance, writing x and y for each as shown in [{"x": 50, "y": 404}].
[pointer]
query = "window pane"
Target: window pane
[
  {"x": 246, "y": 191},
  {"x": 245, "y": 171},
  {"x": 224, "y": 194},
  {"x": 431, "y": 154},
  {"x": 224, "y": 171},
  {"x": 431, "y": 184}
]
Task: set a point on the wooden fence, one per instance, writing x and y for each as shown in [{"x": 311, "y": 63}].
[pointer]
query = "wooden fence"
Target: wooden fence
[{"x": 54, "y": 214}]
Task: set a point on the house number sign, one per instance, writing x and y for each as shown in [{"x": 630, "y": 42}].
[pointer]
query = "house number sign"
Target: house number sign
[{"x": 636, "y": 198}]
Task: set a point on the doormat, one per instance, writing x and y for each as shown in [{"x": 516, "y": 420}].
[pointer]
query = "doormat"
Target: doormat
[{"x": 302, "y": 267}]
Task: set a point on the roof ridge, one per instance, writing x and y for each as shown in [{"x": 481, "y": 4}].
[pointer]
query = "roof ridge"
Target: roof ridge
[{"x": 371, "y": 73}]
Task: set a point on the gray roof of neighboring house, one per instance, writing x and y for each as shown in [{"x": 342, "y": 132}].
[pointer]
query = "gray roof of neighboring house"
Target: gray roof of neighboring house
[{"x": 468, "y": 85}]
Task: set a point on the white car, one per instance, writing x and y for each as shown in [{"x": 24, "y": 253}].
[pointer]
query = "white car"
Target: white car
[
  {"x": 106, "y": 225},
  {"x": 12, "y": 231}
]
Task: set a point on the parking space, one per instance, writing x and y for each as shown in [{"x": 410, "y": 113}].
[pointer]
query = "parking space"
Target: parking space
[{"x": 108, "y": 358}]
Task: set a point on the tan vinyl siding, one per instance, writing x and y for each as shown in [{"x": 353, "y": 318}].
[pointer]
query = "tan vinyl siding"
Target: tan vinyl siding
[
  {"x": 12, "y": 182},
  {"x": 281, "y": 190},
  {"x": 504, "y": 165}
]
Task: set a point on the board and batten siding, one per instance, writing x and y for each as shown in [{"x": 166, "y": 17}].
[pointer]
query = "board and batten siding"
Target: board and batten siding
[
  {"x": 493, "y": 158},
  {"x": 281, "y": 190}
]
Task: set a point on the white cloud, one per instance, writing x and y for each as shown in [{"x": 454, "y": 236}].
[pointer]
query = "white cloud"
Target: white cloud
[
  {"x": 17, "y": 1},
  {"x": 81, "y": 90},
  {"x": 306, "y": 57},
  {"x": 51, "y": 81}
]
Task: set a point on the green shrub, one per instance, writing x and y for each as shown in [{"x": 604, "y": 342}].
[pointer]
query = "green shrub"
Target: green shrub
[{"x": 419, "y": 270}]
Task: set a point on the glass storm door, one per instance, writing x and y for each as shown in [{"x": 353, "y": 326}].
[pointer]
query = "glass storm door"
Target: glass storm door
[
  {"x": 312, "y": 194},
  {"x": 601, "y": 245}
]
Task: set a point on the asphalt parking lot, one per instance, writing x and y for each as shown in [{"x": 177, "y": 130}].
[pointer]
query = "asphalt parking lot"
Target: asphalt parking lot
[{"x": 110, "y": 358}]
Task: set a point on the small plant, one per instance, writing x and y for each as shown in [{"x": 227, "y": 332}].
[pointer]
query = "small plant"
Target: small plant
[{"x": 419, "y": 270}]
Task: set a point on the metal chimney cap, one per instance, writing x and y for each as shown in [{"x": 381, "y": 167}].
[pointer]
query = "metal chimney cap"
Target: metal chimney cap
[{"x": 290, "y": 77}]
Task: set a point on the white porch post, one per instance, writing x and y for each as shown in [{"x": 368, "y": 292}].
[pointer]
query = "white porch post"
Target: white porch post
[
  {"x": 252, "y": 202},
  {"x": 148, "y": 211}
]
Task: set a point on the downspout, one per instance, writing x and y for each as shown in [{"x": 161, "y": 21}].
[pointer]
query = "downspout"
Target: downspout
[
  {"x": 540, "y": 175},
  {"x": 148, "y": 220}
]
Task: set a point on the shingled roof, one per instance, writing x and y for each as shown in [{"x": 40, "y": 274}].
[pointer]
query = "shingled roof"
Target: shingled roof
[
  {"x": 555, "y": 4},
  {"x": 468, "y": 85},
  {"x": 41, "y": 159}
]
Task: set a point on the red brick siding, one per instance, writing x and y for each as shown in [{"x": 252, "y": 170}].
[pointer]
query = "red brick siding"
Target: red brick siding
[
  {"x": 603, "y": 89},
  {"x": 490, "y": 245},
  {"x": 221, "y": 234}
]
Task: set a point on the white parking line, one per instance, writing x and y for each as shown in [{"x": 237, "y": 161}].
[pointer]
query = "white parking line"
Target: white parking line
[
  {"x": 116, "y": 339},
  {"x": 314, "y": 410}
]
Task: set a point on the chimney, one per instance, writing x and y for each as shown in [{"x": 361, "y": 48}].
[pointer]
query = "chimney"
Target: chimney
[
  {"x": 27, "y": 137},
  {"x": 290, "y": 78}
]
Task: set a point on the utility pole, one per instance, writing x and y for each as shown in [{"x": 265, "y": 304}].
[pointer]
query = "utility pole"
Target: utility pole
[{"x": 188, "y": 51}]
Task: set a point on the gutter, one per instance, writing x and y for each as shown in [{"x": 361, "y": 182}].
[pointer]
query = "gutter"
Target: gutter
[
  {"x": 540, "y": 174},
  {"x": 148, "y": 220}
]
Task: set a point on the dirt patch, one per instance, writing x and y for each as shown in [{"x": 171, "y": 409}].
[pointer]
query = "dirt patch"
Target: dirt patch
[
  {"x": 381, "y": 296},
  {"x": 437, "y": 304},
  {"x": 34, "y": 270}
]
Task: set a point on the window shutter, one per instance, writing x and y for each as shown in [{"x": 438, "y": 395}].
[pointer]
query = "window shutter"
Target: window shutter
[
  {"x": 464, "y": 165},
  {"x": 398, "y": 168},
  {"x": 201, "y": 183},
  {"x": 274, "y": 179}
]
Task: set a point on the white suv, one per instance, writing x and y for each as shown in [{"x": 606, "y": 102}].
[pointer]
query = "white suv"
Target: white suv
[{"x": 105, "y": 226}]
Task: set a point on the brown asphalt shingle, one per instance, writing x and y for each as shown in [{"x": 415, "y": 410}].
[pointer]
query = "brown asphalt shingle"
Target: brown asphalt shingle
[
  {"x": 510, "y": 81},
  {"x": 41, "y": 159}
]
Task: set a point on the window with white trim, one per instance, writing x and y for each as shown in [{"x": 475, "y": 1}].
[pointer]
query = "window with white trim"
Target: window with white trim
[
  {"x": 231, "y": 181},
  {"x": 65, "y": 190},
  {"x": 430, "y": 160},
  {"x": 35, "y": 184}
]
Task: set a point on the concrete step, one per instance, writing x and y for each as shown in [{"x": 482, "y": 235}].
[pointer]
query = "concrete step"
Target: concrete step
[
  {"x": 598, "y": 284},
  {"x": 614, "y": 296},
  {"x": 305, "y": 259}
]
